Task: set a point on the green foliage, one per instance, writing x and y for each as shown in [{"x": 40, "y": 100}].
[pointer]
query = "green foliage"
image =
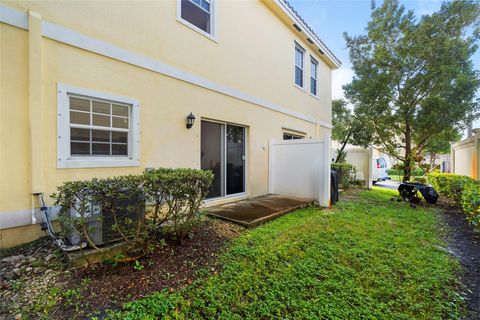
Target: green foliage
[
  {"x": 346, "y": 128},
  {"x": 399, "y": 172},
  {"x": 347, "y": 174},
  {"x": 470, "y": 202},
  {"x": 176, "y": 195},
  {"x": 138, "y": 266},
  {"x": 414, "y": 86},
  {"x": 369, "y": 258},
  {"x": 464, "y": 190},
  {"x": 449, "y": 184}
]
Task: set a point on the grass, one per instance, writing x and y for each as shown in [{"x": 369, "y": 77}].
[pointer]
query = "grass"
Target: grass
[{"x": 368, "y": 258}]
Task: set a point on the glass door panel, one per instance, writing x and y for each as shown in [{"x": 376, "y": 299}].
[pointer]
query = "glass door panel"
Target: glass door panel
[
  {"x": 235, "y": 159},
  {"x": 213, "y": 155}
]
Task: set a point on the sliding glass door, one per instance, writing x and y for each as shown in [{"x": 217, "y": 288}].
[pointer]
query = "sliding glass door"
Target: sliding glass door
[{"x": 223, "y": 152}]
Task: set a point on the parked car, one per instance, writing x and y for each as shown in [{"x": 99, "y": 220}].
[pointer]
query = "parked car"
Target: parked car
[{"x": 380, "y": 170}]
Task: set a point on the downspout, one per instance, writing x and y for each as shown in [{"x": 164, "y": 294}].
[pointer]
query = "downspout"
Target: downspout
[{"x": 35, "y": 106}]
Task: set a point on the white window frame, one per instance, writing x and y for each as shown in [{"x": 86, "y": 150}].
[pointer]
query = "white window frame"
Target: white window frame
[
  {"x": 64, "y": 158},
  {"x": 213, "y": 20},
  {"x": 314, "y": 61},
  {"x": 298, "y": 46}
]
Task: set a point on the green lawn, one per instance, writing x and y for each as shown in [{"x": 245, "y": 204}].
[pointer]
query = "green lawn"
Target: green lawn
[{"x": 368, "y": 258}]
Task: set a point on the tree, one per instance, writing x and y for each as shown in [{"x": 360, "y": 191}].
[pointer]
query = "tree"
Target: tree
[
  {"x": 440, "y": 144},
  {"x": 414, "y": 79},
  {"x": 346, "y": 128}
]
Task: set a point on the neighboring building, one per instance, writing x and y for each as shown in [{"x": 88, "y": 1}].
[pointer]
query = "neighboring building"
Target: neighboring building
[
  {"x": 367, "y": 162},
  {"x": 441, "y": 162},
  {"x": 465, "y": 155},
  {"x": 96, "y": 89}
]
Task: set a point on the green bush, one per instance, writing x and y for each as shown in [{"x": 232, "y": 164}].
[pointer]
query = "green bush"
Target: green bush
[
  {"x": 470, "y": 202},
  {"x": 175, "y": 194},
  {"x": 347, "y": 174},
  {"x": 398, "y": 172},
  {"x": 464, "y": 190},
  {"x": 449, "y": 184}
]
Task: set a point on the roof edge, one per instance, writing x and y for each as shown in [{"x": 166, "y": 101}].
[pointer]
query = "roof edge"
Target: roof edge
[{"x": 296, "y": 18}]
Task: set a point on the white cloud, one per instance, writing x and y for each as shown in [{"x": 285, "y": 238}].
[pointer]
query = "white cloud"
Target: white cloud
[{"x": 339, "y": 78}]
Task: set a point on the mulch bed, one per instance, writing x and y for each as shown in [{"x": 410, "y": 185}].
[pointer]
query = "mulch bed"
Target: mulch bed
[
  {"x": 105, "y": 286},
  {"x": 464, "y": 243}
]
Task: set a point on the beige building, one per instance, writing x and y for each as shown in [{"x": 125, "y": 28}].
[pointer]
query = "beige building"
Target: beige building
[
  {"x": 465, "y": 155},
  {"x": 95, "y": 89}
]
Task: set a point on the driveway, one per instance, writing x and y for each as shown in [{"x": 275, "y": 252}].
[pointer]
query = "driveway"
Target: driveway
[{"x": 388, "y": 184}]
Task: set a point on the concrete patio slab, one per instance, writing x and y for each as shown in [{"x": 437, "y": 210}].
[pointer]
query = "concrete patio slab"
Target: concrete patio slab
[{"x": 253, "y": 211}]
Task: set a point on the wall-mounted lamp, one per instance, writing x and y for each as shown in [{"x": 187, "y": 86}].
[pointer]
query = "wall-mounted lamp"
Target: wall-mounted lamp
[{"x": 190, "y": 120}]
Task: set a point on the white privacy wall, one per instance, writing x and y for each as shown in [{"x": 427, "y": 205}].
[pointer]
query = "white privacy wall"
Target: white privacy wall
[{"x": 300, "y": 168}]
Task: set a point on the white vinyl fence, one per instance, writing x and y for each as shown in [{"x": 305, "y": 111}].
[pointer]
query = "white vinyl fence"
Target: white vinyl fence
[{"x": 301, "y": 168}]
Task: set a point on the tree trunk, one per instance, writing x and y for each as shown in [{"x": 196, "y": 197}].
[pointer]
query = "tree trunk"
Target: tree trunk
[
  {"x": 408, "y": 153},
  {"x": 432, "y": 161},
  {"x": 344, "y": 144}
]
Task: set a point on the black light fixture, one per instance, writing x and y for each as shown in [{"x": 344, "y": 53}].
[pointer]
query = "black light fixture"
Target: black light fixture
[{"x": 190, "y": 120}]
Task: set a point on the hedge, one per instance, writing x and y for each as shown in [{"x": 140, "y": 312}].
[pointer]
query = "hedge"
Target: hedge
[
  {"x": 347, "y": 174},
  {"x": 398, "y": 172},
  {"x": 463, "y": 190}
]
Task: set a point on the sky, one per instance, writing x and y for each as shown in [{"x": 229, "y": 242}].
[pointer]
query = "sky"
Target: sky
[{"x": 331, "y": 18}]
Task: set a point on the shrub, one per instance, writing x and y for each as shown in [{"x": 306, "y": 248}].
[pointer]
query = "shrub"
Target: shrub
[
  {"x": 464, "y": 190},
  {"x": 175, "y": 194},
  {"x": 184, "y": 190},
  {"x": 398, "y": 172},
  {"x": 347, "y": 175},
  {"x": 449, "y": 184}
]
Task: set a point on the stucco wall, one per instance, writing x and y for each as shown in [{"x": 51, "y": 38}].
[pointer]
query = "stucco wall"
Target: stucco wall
[
  {"x": 464, "y": 157},
  {"x": 256, "y": 63}
]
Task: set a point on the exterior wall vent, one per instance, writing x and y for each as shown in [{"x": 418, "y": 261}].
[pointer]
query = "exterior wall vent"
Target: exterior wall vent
[
  {"x": 310, "y": 40},
  {"x": 297, "y": 27},
  {"x": 320, "y": 50}
]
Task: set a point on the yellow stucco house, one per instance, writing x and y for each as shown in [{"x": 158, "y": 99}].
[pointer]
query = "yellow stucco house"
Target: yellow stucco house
[{"x": 95, "y": 89}]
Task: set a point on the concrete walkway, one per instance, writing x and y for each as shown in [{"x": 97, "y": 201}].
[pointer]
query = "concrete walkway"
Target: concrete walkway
[{"x": 251, "y": 212}]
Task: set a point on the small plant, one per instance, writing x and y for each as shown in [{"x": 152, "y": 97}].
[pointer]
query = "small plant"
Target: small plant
[
  {"x": 347, "y": 174},
  {"x": 138, "y": 266}
]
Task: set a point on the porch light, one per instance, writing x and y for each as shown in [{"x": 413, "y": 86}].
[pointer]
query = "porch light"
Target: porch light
[{"x": 190, "y": 120}]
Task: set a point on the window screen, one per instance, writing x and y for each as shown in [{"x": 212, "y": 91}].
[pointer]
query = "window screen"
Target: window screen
[
  {"x": 299, "y": 65},
  {"x": 198, "y": 13},
  {"x": 98, "y": 127}
]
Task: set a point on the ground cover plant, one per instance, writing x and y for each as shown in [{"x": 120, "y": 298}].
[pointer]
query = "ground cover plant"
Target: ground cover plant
[{"x": 368, "y": 257}]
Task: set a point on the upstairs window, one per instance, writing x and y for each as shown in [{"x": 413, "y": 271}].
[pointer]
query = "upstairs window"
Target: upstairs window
[
  {"x": 313, "y": 76},
  {"x": 299, "y": 53},
  {"x": 197, "y": 14}
]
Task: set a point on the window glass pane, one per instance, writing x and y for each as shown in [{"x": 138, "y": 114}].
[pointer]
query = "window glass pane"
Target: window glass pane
[
  {"x": 100, "y": 136},
  {"x": 119, "y": 110},
  {"x": 99, "y": 120},
  {"x": 79, "y": 134},
  {"x": 101, "y": 107},
  {"x": 119, "y": 149},
  {"x": 101, "y": 148},
  {"x": 298, "y": 58},
  {"x": 298, "y": 76},
  {"x": 195, "y": 15},
  {"x": 120, "y": 122},
  {"x": 313, "y": 86},
  {"x": 79, "y": 104},
  {"x": 79, "y": 148},
  {"x": 120, "y": 137},
  {"x": 79, "y": 117},
  {"x": 205, "y": 5}
]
